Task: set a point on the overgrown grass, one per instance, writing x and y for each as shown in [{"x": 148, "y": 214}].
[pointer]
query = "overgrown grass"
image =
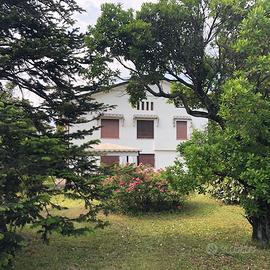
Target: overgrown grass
[{"x": 204, "y": 235}]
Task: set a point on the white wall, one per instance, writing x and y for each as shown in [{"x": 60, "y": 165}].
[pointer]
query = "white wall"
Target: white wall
[{"x": 164, "y": 144}]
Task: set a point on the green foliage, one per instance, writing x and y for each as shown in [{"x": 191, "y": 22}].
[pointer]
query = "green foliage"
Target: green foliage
[
  {"x": 186, "y": 42},
  {"x": 217, "y": 55},
  {"x": 179, "y": 179},
  {"x": 240, "y": 151},
  {"x": 236, "y": 149},
  {"x": 135, "y": 90},
  {"x": 9, "y": 244},
  {"x": 41, "y": 56},
  {"x": 28, "y": 159},
  {"x": 142, "y": 189}
]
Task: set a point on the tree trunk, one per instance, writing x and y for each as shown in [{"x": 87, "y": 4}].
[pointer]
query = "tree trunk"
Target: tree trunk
[{"x": 261, "y": 227}]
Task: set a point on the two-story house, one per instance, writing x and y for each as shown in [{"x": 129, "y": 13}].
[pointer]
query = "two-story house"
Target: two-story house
[{"x": 146, "y": 134}]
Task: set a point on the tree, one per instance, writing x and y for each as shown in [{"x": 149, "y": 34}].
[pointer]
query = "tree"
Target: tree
[
  {"x": 183, "y": 42},
  {"x": 41, "y": 52},
  {"x": 241, "y": 151},
  {"x": 216, "y": 55}
]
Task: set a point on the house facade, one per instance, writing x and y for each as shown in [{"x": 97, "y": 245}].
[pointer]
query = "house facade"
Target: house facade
[{"x": 146, "y": 134}]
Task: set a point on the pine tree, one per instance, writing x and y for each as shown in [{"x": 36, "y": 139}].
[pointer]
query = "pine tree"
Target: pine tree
[{"x": 41, "y": 52}]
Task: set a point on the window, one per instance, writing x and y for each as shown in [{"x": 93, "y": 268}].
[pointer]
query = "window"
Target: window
[
  {"x": 145, "y": 129},
  {"x": 109, "y": 160},
  {"x": 110, "y": 128},
  {"x": 181, "y": 130},
  {"x": 142, "y": 106},
  {"x": 147, "y": 159},
  {"x": 145, "y": 106}
]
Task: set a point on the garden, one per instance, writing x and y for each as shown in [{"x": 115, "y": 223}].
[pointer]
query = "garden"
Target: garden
[
  {"x": 205, "y": 234},
  {"x": 153, "y": 224}
]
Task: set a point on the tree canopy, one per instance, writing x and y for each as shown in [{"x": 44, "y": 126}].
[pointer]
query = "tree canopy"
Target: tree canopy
[
  {"x": 43, "y": 52},
  {"x": 186, "y": 42},
  {"x": 241, "y": 151}
]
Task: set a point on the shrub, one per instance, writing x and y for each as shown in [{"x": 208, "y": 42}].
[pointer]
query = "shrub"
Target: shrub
[
  {"x": 142, "y": 189},
  {"x": 179, "y": 178}
]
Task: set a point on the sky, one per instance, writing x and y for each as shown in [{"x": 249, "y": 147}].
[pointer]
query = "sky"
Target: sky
[{"x": 92, "y": 8}]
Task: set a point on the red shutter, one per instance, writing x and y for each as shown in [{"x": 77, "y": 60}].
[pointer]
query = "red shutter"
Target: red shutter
[
  {"x": 145, "y": 129},
  {"x": 110, "y": 128},
  {"x": 181, "y": 130},
  {"x": 109, "y": 160},
  {"x": 147, "y": 159}
]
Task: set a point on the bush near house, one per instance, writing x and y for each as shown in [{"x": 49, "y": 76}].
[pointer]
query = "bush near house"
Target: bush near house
[{"x": 142, "y": 189}]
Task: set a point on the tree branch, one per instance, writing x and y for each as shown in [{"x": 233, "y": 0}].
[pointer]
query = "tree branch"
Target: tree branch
[{"x": 161, "y": 93}]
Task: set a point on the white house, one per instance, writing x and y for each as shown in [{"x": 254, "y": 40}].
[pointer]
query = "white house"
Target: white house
[{"x": 146, "y": 134}]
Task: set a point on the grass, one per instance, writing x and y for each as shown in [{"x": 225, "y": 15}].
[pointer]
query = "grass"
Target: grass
[{"x": 204, "y": 235}]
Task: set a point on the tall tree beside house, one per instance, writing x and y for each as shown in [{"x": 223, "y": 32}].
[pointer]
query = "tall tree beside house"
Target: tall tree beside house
[
  {"x": 42, "y": 53},
  {"x": 216, "y": 55},
  {"x": 241, "y": 151}
]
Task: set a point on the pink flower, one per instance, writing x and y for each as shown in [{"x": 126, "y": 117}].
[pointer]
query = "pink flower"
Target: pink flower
[
  {"x": 122, "y": 183},
  {"x": 129, "y": 189}
]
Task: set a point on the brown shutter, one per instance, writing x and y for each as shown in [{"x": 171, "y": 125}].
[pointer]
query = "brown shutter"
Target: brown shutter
[
  {"x": 181, "y": 130},
  {"x": 147, "y": 159},
  {"x": 109, "y": 160},
  {"x": 145, "y": 129},
  {"x": 110, "y": 128}
]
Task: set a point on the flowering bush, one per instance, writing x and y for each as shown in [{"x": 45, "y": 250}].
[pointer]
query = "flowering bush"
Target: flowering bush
[
  {"x": 142, "y": 189},
  {"x": 227, "y": 190}
]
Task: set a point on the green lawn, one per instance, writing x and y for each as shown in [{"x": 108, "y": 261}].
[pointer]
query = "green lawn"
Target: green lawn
[{"x": 155, "y": 241}]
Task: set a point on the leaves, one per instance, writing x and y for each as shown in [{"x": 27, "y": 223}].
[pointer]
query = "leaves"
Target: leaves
[
  {"x": 241, "y": 150},
  {"x": 186, "y": 42},
  {"x": 41, "y": 53}
]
